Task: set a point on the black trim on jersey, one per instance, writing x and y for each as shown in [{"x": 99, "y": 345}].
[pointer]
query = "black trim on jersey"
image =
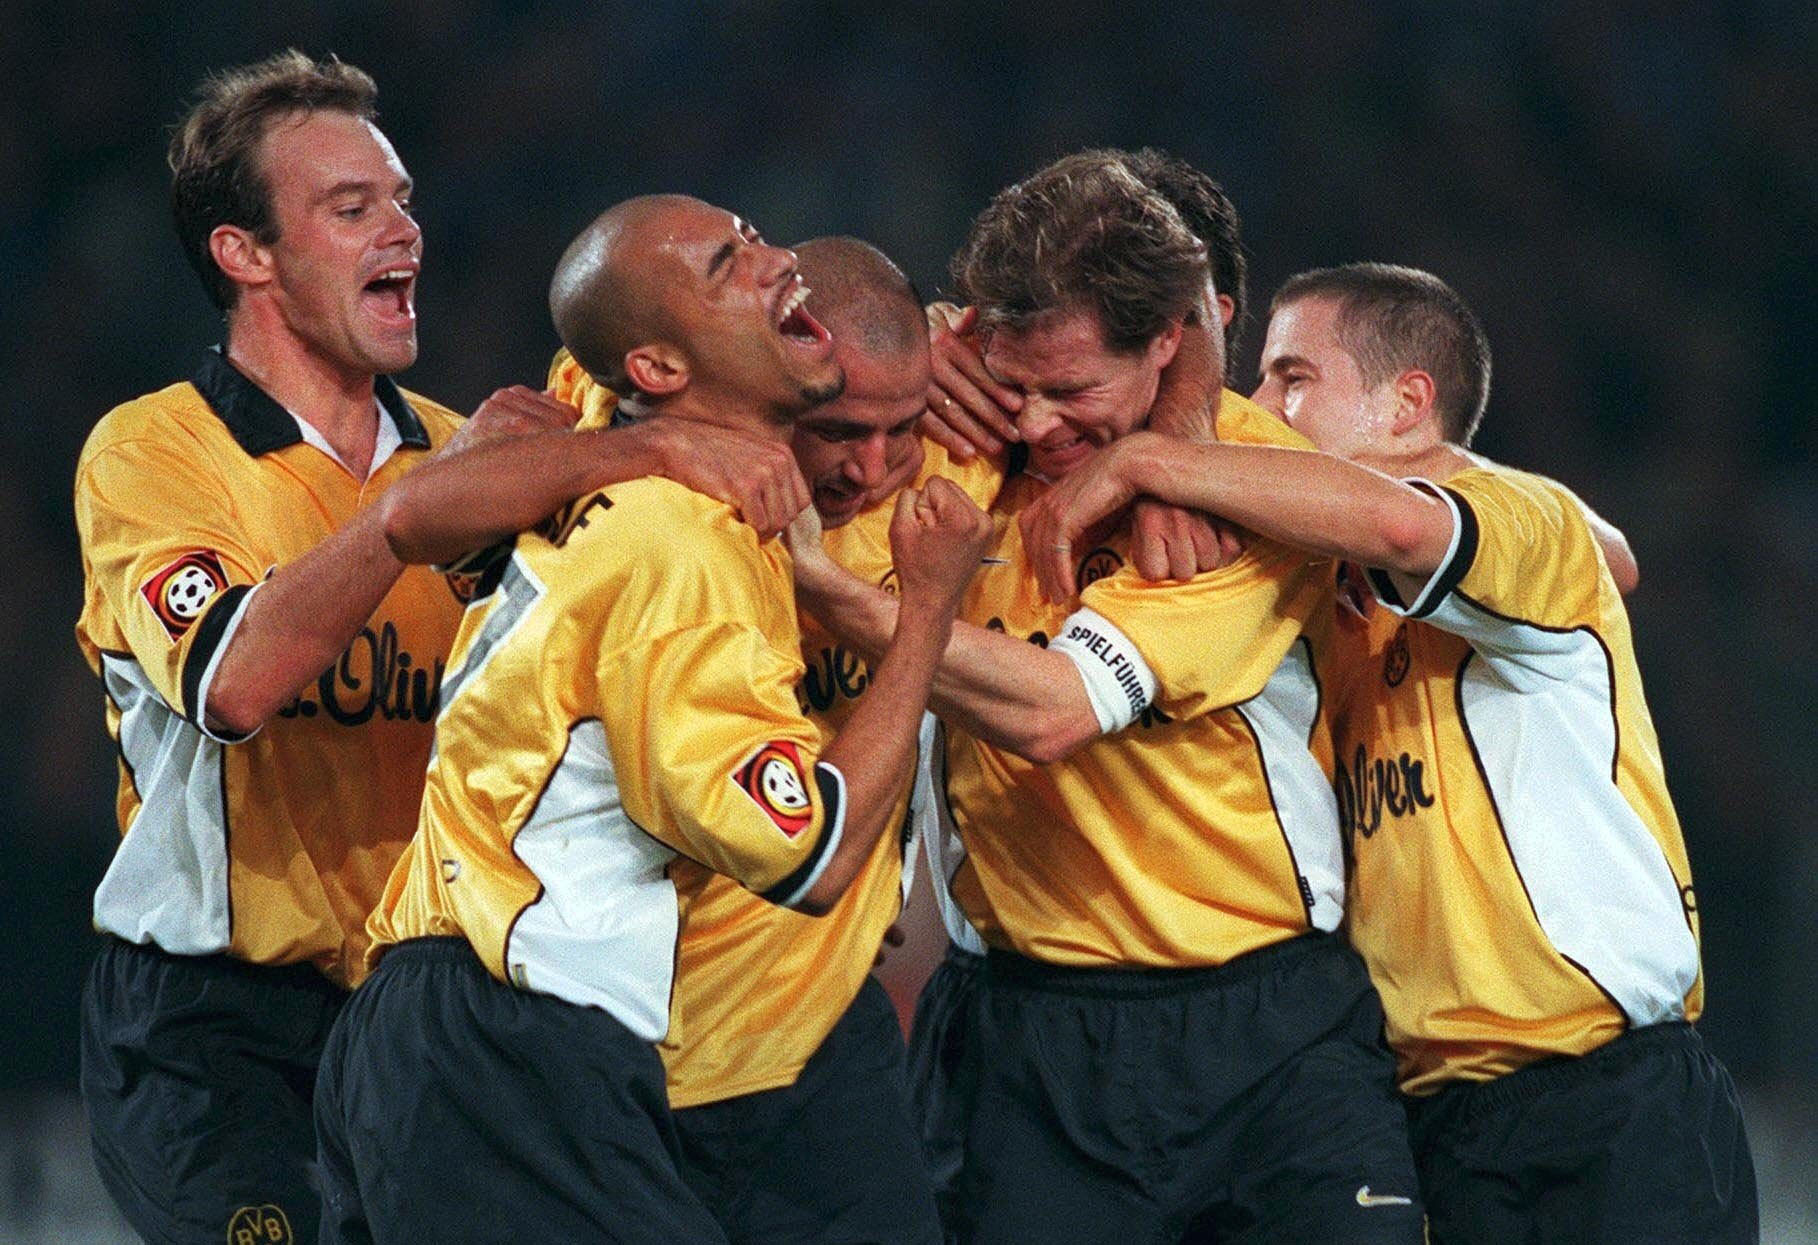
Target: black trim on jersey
[
  {"x": 1303, "y": 889},
  {"x": 262, "y": 426},
  {"x": 1448, "y": 576},
  {"x": 411, "y": 432},
  {"x": 1483, "y": 776},
  {"x": 209, "y": 630},
  {"x": 833, "y": 814}
]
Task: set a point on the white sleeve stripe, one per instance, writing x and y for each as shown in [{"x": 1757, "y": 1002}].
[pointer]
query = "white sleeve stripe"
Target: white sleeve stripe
[
  {"x": 1118, "y": 681},
  {"x": 1441, "y": 580},
  {"x": 831, "y": 833},
  {"x": 214, "y": 662}
]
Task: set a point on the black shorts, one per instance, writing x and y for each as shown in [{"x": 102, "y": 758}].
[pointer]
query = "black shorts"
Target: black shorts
[
  {"x": 452, "y": 1107},
  {"x": 940, "y": 1100},
  {"x": 831, "y": 1158},
  {"x": 1246, "y": 1103},
  {"x": 1640, "y": 1140},
  {"x": 197, "y": 1073}
]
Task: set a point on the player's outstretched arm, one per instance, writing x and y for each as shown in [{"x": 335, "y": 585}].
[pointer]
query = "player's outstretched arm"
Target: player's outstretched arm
[
  {"x": 936, "y": 538},
  {"x": 1303, "y": 498},
  {"x": 1008, "y": 692},
  {"x": 469, "y": 498},
  {"x": 1175, "y": 542},
  {"x": 307, "y": 612},
  {"x": 1624, "y": 568}
]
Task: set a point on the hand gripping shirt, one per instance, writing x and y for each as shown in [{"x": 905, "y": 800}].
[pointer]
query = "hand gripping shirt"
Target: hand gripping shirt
[
  {"x": 619, "y": 720},
  {"x": 758, "y": 986},
  {"x": 1201, "y": 824},
  {"x": 271, "y": 848},
  {"x": 1520, "y": 885}
]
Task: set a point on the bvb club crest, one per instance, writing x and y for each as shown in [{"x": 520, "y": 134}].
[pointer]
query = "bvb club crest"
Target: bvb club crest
[
  {"x": 1395, "y": 662},
  {"x": 259, "y": 1225},
  {"x": 1097, "y": 565}
]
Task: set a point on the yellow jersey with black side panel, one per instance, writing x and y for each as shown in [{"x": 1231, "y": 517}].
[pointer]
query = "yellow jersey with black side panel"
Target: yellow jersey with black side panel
[
  {"x": 619, "y": 718},
  {"x": 758, "y": 987},
  {"x": 1201, "y": 825},
  {"x": 1520, "y": 885},
  {"x": 272, "y": 848}
]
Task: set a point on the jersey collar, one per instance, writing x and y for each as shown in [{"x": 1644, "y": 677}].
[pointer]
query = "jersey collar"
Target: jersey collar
[{"x": 260, "y": 425}]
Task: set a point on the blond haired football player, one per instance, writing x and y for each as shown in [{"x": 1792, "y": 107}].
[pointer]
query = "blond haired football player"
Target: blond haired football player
[
  {"x": 621, "y": 722},
  {"x": 1141, "y": 783},
  {"x": 1520, "y": 885}
]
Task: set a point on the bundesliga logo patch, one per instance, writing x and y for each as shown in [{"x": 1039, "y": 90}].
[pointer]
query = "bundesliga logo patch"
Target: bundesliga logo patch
[
  {"x": 774, "y": 778},
  {"x": 181, "y": 591}
]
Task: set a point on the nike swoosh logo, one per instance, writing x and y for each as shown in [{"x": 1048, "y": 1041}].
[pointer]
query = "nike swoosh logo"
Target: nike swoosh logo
[{"x": 1367, "y": 1198}]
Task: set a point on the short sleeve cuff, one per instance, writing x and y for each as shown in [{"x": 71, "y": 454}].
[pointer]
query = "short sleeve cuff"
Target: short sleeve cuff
[
  {"x": 1452, "y": 568},
  {"x": 213, "y": 634},
  {"x": 790, "y": 892},
  {"x": 1118, "y": 681}
]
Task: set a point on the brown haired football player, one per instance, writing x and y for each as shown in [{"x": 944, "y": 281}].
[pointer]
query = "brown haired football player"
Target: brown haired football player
[{"x": 271, "y": 669}]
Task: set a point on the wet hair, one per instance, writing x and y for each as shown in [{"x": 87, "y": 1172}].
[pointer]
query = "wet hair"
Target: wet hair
[
  {"x": 216, "y": 175},
  {"x": 1392, "y": 319},
  {"x": 1084, "y": 233}
]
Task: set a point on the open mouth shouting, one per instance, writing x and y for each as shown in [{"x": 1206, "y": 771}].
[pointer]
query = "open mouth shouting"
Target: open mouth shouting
[
  {"x": 797, "y": 327},
  {"x": 389, "y": 295}
]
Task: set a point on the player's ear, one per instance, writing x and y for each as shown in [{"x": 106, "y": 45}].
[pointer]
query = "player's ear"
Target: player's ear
[
  {"x": 1414, "y": 395},
  {"x": 241, "y": 257},
  {"x": 657, "y": 369},
  {"x": 1162, "y": 346}
]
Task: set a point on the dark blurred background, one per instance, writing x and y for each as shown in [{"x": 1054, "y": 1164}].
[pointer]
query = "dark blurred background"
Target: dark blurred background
[{"x": 1627, "y": 194}]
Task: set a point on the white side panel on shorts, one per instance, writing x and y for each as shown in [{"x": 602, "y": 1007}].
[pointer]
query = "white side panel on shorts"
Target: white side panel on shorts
[
  {"x": 603, "y": 932},
  {"x": 1283, "y": 716},
  {"x": 167, "y": 883},
  {"x": 1540, "y": 716}
]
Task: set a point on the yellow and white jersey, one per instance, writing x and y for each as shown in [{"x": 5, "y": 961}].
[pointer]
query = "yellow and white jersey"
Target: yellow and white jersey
[
  {"x": 271, "y": 848},
  {"x": 1520, "y": 886},
  {"x": 619, "y": 718},
  {"x": 1201, "y": 824},
  {"x": 759, "y": 987}
]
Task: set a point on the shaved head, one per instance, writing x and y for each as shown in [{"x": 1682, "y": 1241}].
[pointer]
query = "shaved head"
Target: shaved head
[
  {"x": 862, "y": 297},
  {"x": 857, "y": 450},
  {"x": 603, "y": 296}
]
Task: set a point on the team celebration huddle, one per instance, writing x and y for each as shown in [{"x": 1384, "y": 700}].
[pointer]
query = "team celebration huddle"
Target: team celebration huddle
[{"x": 513, "y": 807}]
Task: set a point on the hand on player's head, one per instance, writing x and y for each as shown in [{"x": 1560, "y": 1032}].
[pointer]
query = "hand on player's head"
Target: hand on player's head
[
  {"x": 968, "y": 411},
  {"x": 516, "y": 411}
]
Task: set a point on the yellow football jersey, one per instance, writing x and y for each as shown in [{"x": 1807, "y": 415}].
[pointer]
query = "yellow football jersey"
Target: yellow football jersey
[
  {"x": 759, "y": 987},
  {"x": 273, "y": 848},
  {"x": 1201, "y": 824},
  {"x": 619, "y": 718},
  {"x": 1520, "y": 886}
]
